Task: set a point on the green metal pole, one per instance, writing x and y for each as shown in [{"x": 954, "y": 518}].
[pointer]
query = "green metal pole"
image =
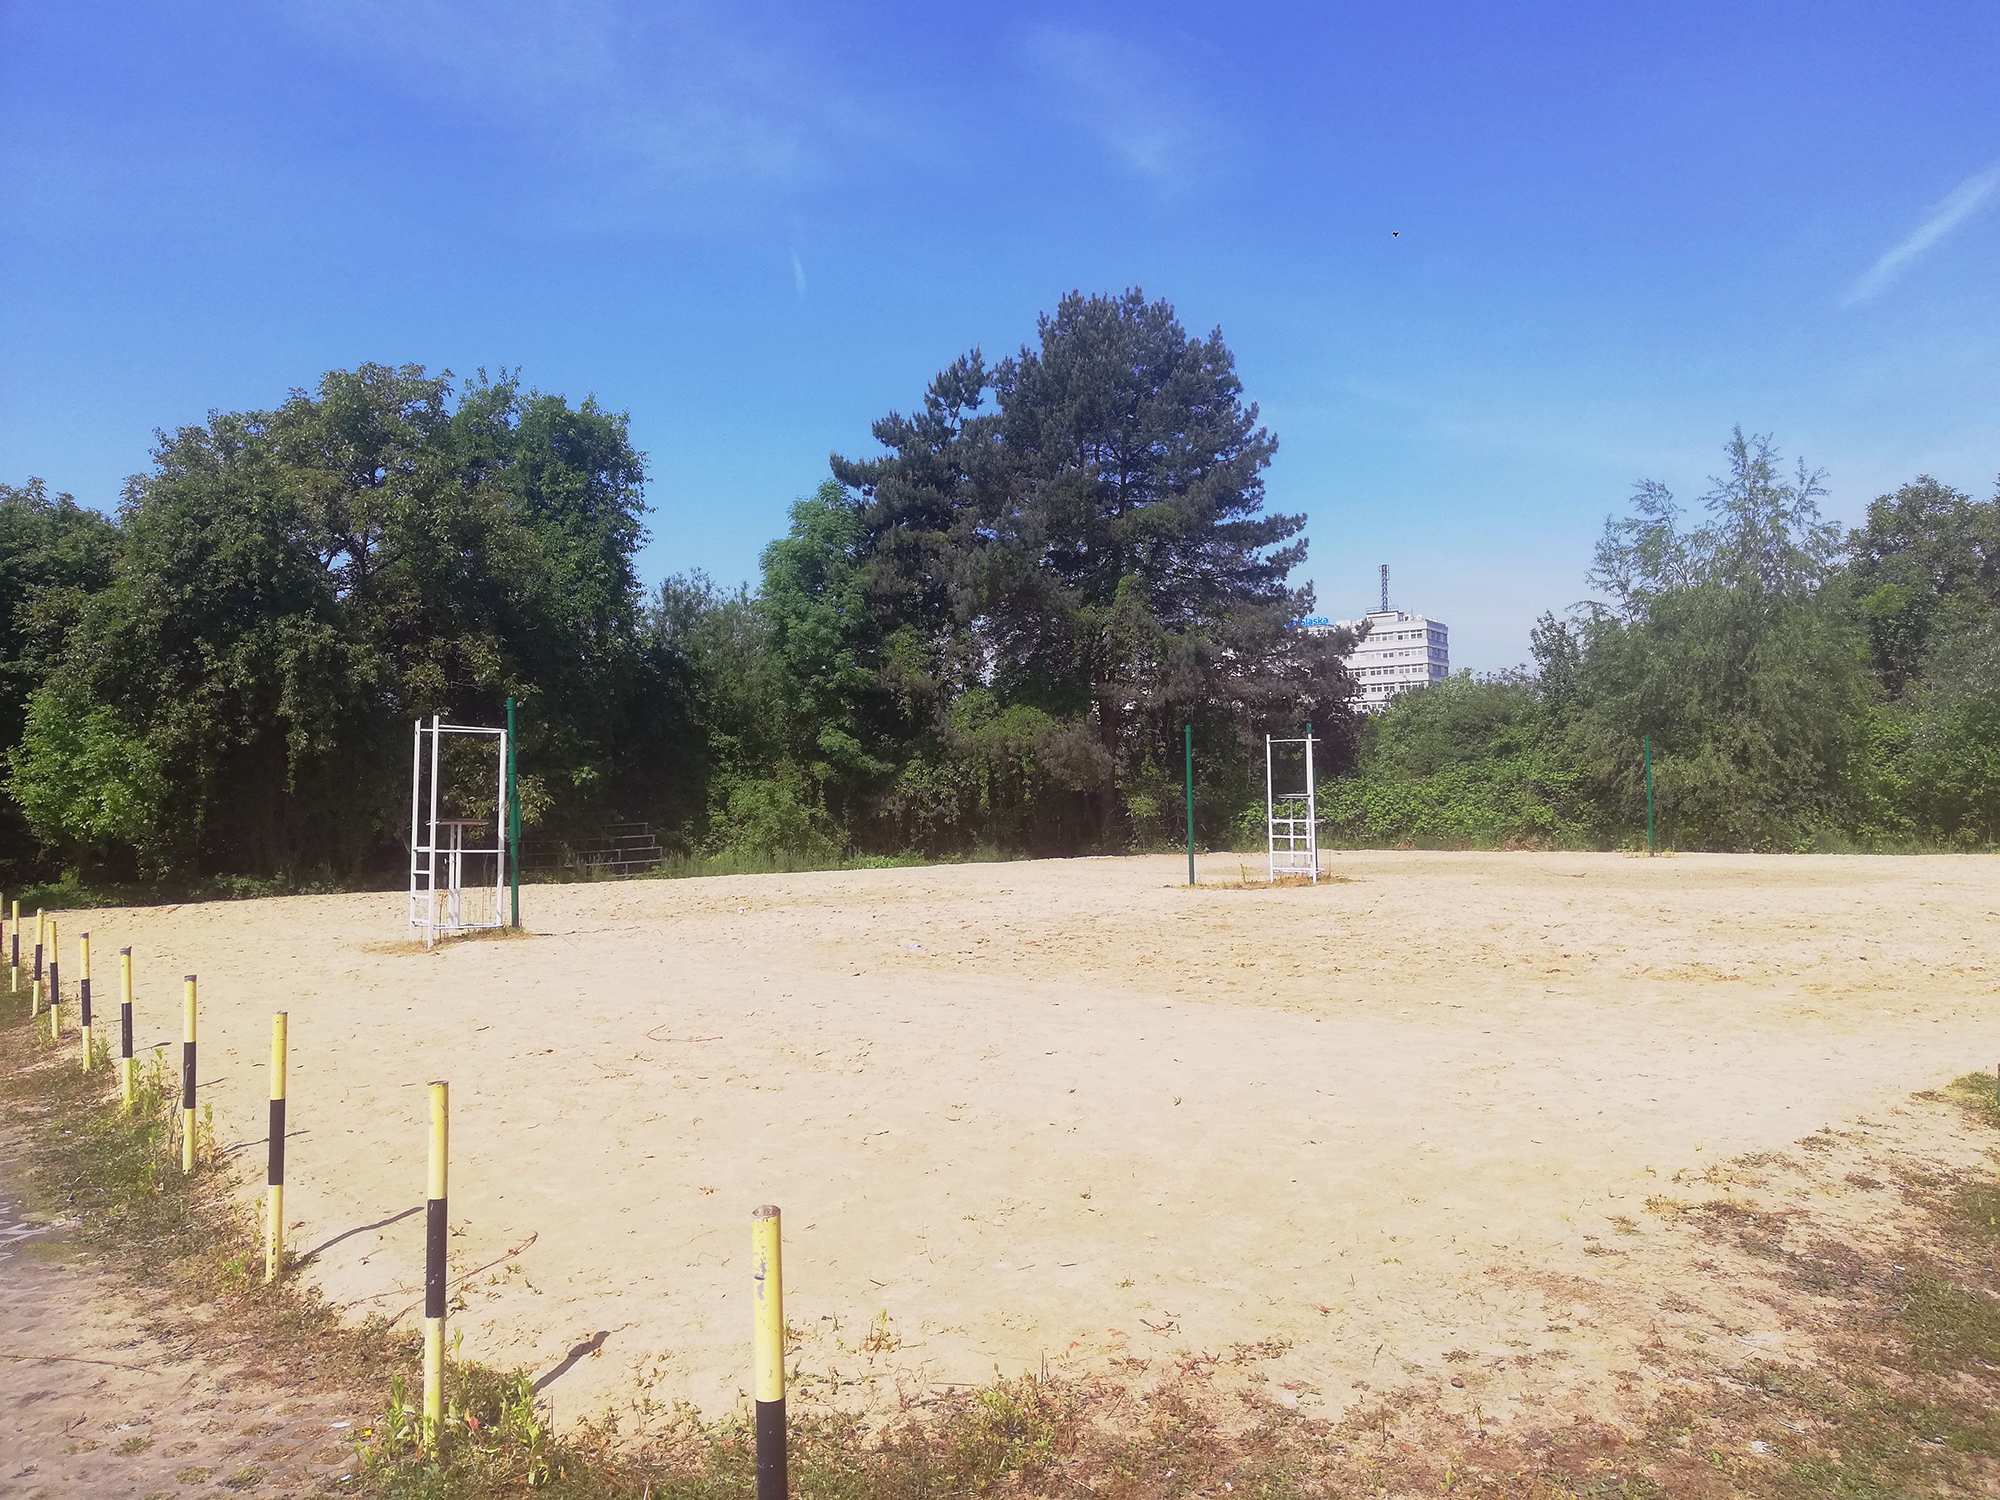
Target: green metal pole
[
  {"x": 1189, "y": 732},
  {"x": 513, "y": 821},
  {"x": 1648, "y": 742}
]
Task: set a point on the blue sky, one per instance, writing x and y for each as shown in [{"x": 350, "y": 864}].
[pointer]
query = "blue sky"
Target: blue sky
[{"x": 1483, "y": 266}]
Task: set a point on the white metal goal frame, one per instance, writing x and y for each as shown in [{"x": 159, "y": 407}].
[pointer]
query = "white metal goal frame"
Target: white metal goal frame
[
  {"x": 440, "y": 901},
  {"x": 1291, "y": 818}
]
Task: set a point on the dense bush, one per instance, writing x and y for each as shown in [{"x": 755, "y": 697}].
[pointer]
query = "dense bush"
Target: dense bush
[{"x": 1794, "y": 688}]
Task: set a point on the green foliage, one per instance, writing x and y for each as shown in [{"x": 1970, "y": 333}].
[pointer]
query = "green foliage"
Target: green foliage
[
  {"x": 1733, "y": 647},
  {"x": 1051, "y": 588},
  {"x": 1465, "y": 763},
  {"x": 1926, "y": 567},
  {"x": 1949, "y": 766},
  {"x": 770, "y": 815},
  {"x": 1797, "y": 693},
  {"x": 1461, "y": 721},
  {"x": 294, "y": 586},
  {"x": 54, "y": 555},
  {"x": 988, "y": 637}
]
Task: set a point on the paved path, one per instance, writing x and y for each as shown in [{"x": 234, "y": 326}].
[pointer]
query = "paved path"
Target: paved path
[{"x": 91, "y": 1405}]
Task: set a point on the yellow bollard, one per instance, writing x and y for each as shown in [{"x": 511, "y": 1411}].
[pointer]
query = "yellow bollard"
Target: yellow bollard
[
  {"x": 274, "y": 1173},
  {"x": 127, "y": 1068},
  {"x": 767, "y": 1273},
  {"x": 434, "y": 1242},
  {"x": 14, "y": 934},
  {"x": 83, "y": 995},
  {"x": 187, "y": 1076},
  {"x": 41, "y": 929},
  {"x": 55, "y": 985}
]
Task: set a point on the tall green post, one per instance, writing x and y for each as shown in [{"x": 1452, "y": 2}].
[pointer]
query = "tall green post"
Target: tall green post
[
  {"x": 1648, "y": 743},
  {"x": 1189, "y": 733},
  {"x": 513, "y": 822}
]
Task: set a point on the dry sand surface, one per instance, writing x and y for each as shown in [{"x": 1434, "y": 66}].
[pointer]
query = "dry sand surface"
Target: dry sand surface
[{"x": 1074, "y": 1111}]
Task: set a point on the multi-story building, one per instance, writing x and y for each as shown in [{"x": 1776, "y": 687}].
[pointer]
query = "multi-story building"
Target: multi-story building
[{"x": 1398, "y": 651}]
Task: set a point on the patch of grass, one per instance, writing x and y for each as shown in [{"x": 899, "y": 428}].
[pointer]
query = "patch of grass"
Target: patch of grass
[
  {"x": 114, "y": 1176},
  {"x": 1978, "y": 1094},
  {"x": 73, "y": 892}
]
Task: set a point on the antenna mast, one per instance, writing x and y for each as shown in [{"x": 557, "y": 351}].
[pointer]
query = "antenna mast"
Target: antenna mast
[{"x": 1385, "y": 588}]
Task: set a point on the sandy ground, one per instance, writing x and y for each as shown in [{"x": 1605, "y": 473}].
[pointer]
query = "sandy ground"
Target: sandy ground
[{"x": 1072, "y": 1111}]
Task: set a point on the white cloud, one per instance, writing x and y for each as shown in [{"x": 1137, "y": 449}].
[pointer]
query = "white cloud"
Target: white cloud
[
  {"x": 693, "y": 94},
  {"x": 1960, "y": 204},
  {"x": 1147, "y": 120},
  {"x": 799, "y": 275}
]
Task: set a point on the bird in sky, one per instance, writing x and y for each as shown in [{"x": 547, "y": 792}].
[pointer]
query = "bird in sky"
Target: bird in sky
[{"x": 1395, "y": 234}]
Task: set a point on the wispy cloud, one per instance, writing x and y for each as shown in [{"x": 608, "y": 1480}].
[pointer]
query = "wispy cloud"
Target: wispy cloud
[
  {"x": 799, "y": 275},
  {"x": 692, "y": 93},
  {"x": 1960, "y": 204},
  {"x": 1149, "y": 121}
]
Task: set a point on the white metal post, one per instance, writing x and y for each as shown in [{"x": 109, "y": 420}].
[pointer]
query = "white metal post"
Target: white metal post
[
  {"x": 454, "y": 876},
  {"x": 500, "y": 831},
  {"x": 430, "y": 902},
  {"x": 1270, "y": 816},
  {"x": 416, "y": 791},
  {"x": 432, "y": 857},
  {"x": 1312, "y": 811}
]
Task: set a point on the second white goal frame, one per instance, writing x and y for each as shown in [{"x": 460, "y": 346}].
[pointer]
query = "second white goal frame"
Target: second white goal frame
[
  {"x": 438, "y": 846},
  {"x": 1291, "y": 818}
]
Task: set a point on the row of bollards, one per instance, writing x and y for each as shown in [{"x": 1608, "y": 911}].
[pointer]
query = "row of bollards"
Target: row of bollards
[{"x": 766, "y": 1247}]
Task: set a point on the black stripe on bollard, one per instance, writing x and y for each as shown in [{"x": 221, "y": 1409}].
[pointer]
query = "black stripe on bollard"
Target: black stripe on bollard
[
  {"x": 83, "y": 1000},
  {"x": 436, "y": 1187},
  {"x": 771, "y": 1476},
  {"x": 434, "y": 1237},
  {"x": 274, "y": 1171},
  {"x": 188, "y": 1017},
  {"x": 125, "y": 1029}
]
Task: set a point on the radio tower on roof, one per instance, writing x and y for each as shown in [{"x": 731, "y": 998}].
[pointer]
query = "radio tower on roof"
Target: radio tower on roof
[{"x": 1385, "y": 587}]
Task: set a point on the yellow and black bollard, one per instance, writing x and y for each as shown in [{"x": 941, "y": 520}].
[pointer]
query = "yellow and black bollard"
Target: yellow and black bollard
[
  {"x": 187, "y": 1076},
  {"x": 14, "y": 971},
  {"x": 767, "y": 1272},
  {"x": 55, "y": 985},
  {"x": 274, "y": 1172},
  {"x": 83, "y": 995},
  {"x": 127, "y": 1068},
  {"x": 434, "y": 1242},
  {"x": 41, "y": 926}
]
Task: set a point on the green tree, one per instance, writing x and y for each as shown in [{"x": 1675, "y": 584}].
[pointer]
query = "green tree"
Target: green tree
[
  {"x": 827, "y": 643},
  {"x": 1094, "y": 550},
  {"x": 1949, "y": 766},
  {"x": 297, "y": 585},
  {"x": 54, "y": 554},
  {"x": 1926, "y": 566},
  {"x": 1733, "y": 646}
]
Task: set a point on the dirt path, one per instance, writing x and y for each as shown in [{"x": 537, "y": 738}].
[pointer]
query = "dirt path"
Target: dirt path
[{"x": 90, "y": 1405}]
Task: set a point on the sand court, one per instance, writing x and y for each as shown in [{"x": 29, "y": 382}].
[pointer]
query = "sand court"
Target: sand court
[{"x": 1067, "y": 1111}]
